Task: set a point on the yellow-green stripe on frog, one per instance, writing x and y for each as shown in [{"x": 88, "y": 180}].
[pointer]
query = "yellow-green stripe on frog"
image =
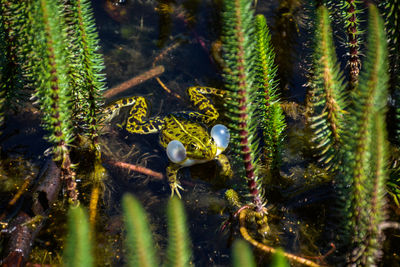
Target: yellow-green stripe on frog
[{"x": 192, "y": 143}]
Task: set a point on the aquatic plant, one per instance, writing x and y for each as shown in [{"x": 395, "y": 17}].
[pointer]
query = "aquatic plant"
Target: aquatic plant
[
  {"x": 326, "y": 99},
  {"x": 51, "y": 46},
  {"x": 391, "y": 13},
  {"x": 78, "y": 245},
  {"x": 242, "y": 255},
  {"x": 363, "y": 171},
  {"x": 238, "y": 51},
  {"x": 271, "y": 115},
  {"x": 350, "y": 9},
  {"x": 85, "y": 65},
  {"x": 48, "y": 67},
  {"x": 10, "y": 43},
  {"x": 139, "y": 243},
  {"x": 249, "y": 75},
  {"x": 178, "y": 250}
]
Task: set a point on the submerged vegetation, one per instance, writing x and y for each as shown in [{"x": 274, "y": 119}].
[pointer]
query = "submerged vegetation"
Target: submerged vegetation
[{"x": 345, "y": 163}]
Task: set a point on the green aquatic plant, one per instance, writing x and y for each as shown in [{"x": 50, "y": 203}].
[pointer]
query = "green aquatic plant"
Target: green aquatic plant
[
  {"x": 350, "y": 10},
  {"x": 238, "y": 45},
  {"x": 85, "y": 65},
  {"x": 178, "y": 250},
  {"x": 139, "y": 243},
  {"x": 51, "y": 47},
  {"x": 78, "y": 247},
  {"x": 48, "y": 67},
  {"x": 391, "y": 12},
  {"x": 273, "y": 121},
  {"x": 326, "y": 99},
  {"x": 363, "y": 171},
  {"x": 10, "y": 43},
  {"x": 279, "y": 260},
  {"x": 242, "y": 254},
  {"x": 352, "y": 138}
]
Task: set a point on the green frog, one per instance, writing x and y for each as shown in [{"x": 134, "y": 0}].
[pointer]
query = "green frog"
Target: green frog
[{"x": 183, "y": 134}]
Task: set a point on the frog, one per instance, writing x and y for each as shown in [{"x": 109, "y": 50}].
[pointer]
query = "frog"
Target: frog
[{"x": 183, "y": 134}]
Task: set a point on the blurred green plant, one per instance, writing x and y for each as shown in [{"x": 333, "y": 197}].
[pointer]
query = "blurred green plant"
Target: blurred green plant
[
  {"x": 242, "y": 254},
  {"x": 78, "y": 245},
  {"x": 139, "y": 243}
]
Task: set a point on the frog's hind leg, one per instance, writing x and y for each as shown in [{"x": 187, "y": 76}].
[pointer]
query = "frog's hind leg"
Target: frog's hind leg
[
  {"x": 208, "y": 113},
  {"x": 137, "y": 122}
]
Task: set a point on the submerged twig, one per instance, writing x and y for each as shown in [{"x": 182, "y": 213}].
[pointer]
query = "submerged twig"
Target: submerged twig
[
  {"x": 136, "y": 168},
  {"x": 160, "y": 57},
  {"x": 155, "y": 71}
]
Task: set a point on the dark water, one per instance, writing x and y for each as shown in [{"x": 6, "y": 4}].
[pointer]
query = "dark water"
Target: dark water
[
  {"x": 130, "y": 44},
  {"x": 132, "y": 36}
]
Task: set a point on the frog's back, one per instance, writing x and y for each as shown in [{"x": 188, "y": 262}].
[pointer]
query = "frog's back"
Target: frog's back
[{"x": 182, "y": 129}]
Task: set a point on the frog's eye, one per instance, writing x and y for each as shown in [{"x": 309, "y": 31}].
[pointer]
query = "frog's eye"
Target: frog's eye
[
  {"x": 176, "y": 152},
  {"x": 193, "y": 146},
  {"x": 221, "y": 135}
]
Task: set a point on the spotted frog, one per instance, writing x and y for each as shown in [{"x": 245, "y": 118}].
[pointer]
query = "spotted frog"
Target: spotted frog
[{"x": 183, "y": 134}]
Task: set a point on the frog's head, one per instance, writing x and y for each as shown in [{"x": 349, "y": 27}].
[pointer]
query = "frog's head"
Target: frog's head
[{"x": 198, "y": 144}]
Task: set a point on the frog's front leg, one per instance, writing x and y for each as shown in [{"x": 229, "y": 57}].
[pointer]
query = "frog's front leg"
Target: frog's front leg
[
  {"x": 172, "y": 174},
  {"x": 226, "y": 169}
]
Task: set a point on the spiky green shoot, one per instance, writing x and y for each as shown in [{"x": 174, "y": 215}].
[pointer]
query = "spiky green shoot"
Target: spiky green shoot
[
  {"x": 242, "y": 254},
  {"x": 350, "y": 10},
  {"x": 178, "y": 250},
  {"x": 363, "y": 171},
  {"x": 326, "y": 101},
  {"x": 85, "y": 66},
  {"x": 272, "y": 120},
  {"x": 78, "y": 247},
  {"x": 238, "y": 50},
  {"x": 52, "y": 83},
  {"x": 139, "y": 243}
]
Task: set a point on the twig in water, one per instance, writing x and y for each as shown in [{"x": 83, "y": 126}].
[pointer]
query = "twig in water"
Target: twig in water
[
  {"x": 136, "y": 168},
  {"x": 155, "y": 71}
]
